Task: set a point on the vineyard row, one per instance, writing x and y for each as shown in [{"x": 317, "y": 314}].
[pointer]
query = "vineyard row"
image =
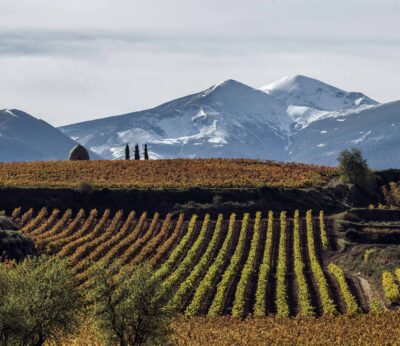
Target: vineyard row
[{"x": 269, "y": 264}]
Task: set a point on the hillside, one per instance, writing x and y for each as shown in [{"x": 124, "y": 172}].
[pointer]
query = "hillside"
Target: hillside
[
  {"x": 25, "y": 138},
  {"x": 156, "y": 174},
  {"x": 265, "y": 266},
  {"x": 272, "y": 263},
  {"x": 374, "y": 129},
  {"x": 230, "y": 265}
]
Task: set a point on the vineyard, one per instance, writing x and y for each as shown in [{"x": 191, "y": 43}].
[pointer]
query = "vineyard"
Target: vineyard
[
  {"x": 239, "y": 265},
  {"x": 362, "y": 329},
  {"x": 159, "y": 174}
]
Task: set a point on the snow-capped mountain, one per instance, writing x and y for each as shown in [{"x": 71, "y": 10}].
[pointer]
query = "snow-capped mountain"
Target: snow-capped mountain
[
  {"x": 375, "y": 130},
  {"x": 25, "y": 138},
  {"x": 229, "y": 119},
  {"x": 308, "y": 99},
  {"x": 293, "y": 119}
]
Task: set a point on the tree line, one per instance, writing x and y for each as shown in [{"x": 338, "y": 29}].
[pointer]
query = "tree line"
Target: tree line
[{"x": 137, "y": 152}]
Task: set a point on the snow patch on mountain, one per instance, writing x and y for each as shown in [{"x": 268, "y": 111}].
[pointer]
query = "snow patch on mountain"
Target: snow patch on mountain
[
  {"x": 309, "y": 100},
  {"x": 10, "y": 113},
  {"x": 362, "y": 138},
  {"x": 369, "y": 129},
  {"x": 309, "y": 92}
]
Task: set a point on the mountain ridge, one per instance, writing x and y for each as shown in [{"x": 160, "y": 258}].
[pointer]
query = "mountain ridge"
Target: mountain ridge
[
  {"x": 229, "y": 119},
  {"x": 296, "y": 118},
  {"x": 309, "y": 99},
  {"x": 201, "y": 123},
  {"x": 26, "y": 138}
]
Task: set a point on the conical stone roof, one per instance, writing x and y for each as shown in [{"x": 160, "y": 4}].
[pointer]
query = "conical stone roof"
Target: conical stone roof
[{"x": 78, "y": 153}]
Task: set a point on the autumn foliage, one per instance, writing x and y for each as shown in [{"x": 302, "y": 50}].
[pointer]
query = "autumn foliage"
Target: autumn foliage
[{"x": 176, "y": 173}]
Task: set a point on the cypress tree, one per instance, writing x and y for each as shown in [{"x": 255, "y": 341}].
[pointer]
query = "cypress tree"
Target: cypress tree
[
  {"x": 137, "y": 154},
  {"x": 146, "y": 154},
  {"x": 127, "y": 152}
]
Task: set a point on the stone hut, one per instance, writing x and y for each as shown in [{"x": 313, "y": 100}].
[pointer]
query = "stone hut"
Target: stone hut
[{"x": 78, "y": 153}]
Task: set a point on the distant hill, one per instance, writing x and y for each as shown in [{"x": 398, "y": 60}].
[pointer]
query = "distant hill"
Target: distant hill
[{"x": 25, "y": 138}]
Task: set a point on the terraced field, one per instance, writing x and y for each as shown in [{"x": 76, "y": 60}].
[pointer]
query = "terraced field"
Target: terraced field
[{"x": 262, "y": 264}]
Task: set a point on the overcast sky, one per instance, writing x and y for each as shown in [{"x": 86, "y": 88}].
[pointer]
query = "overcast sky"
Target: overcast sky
[{"x": 67, "y": 61}]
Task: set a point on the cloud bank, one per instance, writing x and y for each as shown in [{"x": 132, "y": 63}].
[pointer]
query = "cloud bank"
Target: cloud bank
[{"x": 69, "y": 61}]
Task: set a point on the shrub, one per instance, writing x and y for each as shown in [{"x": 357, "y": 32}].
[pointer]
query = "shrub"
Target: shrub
[
  {"x": 125, "y": 305},
  {"x": 390, "y": 288},
  {"x": 85, "y": 187},
  {"x": 353, "y": 169},
  {"x": 391, "y": 194},
  {"x": 217, "y": 199},
  {"x": 367, "y": 254},
  {"x": 39, "y": 301}
]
